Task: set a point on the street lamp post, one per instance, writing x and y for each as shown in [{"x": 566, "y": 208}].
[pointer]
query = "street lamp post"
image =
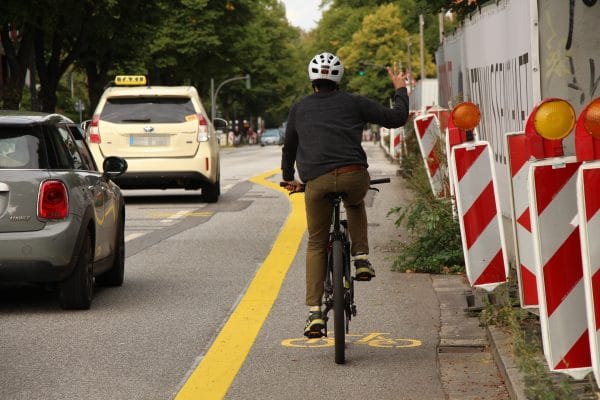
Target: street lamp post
[{"x": 214, "y": 93}]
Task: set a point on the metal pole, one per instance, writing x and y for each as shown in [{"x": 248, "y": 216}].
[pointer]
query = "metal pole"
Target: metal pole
[
  {"x": 441, "y": 26},
  {"x": 409, "y": 67},
  {"x": 421, "y": 34},
  {"x": 212, "y": 100},
  {"x": 215, "y": 93}
]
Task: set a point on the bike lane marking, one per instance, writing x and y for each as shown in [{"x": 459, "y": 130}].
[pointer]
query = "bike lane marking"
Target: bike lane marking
[
  {"x": 375, "y": 339},
  {"x": 218, "y": 368}
]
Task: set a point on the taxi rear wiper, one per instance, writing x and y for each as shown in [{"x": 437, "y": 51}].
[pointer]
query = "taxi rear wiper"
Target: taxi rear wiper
[{"x": 137, "y": 120}]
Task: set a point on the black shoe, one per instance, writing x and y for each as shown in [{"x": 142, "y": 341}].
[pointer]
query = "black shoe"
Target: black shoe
[
  {"x": 364, "y": 270},
  {"x": 314, "y": 325}
]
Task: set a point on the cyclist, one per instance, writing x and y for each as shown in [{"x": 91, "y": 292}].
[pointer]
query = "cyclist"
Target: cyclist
[{"x": 323, "y": 140}]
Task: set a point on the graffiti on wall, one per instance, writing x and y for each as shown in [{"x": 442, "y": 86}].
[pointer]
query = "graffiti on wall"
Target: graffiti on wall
[
  {"x": 569, "y": 50},
  {"x": 503, "y": 99}
]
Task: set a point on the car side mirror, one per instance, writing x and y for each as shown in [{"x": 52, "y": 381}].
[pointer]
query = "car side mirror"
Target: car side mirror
[
  {"x": 114, "y": 166},
  {"x": 220, "y": 123},
  {"x": 85, "y": 124}
]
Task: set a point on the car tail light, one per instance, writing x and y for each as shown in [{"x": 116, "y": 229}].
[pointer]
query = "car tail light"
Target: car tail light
[
  {"x": 94, "y": 133},
  {"x": 53, "y": 202},
  {"x": 202, "y": 129}
]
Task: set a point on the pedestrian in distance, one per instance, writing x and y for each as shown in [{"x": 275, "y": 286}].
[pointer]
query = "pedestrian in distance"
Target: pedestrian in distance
[{"x": 323, "y": 141}]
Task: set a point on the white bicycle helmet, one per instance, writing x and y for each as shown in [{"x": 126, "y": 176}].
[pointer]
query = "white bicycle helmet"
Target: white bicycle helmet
[{"x": 325, "y": 66}]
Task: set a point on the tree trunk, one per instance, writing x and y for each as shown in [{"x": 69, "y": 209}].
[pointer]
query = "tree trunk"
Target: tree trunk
[
  {"x": 97, "y": 78},
  {"x": 51, "y": 71},
  {"x": 18, "y": 62}
]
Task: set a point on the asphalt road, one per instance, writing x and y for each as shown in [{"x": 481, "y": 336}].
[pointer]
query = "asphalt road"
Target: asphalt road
[{"x": 213, "y": 307}]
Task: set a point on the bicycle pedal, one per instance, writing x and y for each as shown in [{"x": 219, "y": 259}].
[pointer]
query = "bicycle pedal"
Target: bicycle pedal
[
  {"x": 363, "y": 278},
  {"x": 314, "y": 335}
]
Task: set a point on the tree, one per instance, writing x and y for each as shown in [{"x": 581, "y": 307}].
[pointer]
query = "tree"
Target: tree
[
  {"x": 335, "y": 29},
  {"x": 267, "y": 50},
  {"x": 16, "y": 37},
  {"x": 380, "y": 41},
  {"x": 58, "y": 31},
  {"x": 116, "y": 41}
]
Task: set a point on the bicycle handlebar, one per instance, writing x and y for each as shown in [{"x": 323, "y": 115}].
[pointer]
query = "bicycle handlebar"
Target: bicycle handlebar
[{"x": 371, "y": 182}]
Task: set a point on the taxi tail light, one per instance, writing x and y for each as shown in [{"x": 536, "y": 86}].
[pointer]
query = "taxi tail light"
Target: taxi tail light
[
  {"x": 202, "y": 129},
  {"x": 53, "y": 202},
  {"x": 94, "y": 132}
]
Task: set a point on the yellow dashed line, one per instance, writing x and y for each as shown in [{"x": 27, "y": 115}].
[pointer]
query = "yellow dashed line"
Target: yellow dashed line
[{"x": 217, "y": 370}]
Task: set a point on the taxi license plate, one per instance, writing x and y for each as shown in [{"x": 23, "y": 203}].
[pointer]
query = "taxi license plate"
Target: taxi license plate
[{"x": 138, "y": 140}]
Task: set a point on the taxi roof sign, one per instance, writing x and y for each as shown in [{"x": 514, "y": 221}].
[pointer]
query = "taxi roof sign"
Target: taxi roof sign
[{"x": 130, "y": 80}]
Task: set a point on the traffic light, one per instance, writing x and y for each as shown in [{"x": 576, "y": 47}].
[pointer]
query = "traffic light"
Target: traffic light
[{"x": 361, "y": 69}]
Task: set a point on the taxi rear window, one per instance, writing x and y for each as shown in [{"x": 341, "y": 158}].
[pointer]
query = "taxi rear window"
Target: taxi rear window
[{"x": 124, "y": 110}]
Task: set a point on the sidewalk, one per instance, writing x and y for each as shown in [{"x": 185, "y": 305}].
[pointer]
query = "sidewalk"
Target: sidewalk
[
  {"x": 466, "y": 349},
  {"x": 464, "y": 344},
  {"x": 467, "y": 364}
]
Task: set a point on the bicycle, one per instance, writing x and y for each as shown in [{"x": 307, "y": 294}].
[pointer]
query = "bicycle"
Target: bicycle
[{"x": 339, "y": 282}]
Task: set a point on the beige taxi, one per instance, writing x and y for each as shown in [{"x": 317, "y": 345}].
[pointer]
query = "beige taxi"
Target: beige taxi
[{"x": 163, "y": 132}]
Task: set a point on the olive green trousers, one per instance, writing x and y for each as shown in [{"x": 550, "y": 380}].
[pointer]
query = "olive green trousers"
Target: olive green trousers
[{"x": 319, "y": 211}]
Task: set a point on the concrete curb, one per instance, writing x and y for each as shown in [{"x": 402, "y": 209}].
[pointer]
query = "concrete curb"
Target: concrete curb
[{"x": 500, "y": 344}]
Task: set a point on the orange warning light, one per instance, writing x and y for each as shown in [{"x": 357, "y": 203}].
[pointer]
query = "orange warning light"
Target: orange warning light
[
  {"x": 591, "y": 119},
  {"x": 466, "y": 115},
  {"x": 554, "y": 119}
]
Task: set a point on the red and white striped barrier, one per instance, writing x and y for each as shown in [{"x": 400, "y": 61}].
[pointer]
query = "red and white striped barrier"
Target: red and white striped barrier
[
  {"x": 395, "y": 141},
  {"x": 428, "y": 132},
  {"x": 479, "y": 214},
  {"x": 561, "y": 294},
  {"x": 518, "y": 167},
  {"x": 588, "y": 205}
]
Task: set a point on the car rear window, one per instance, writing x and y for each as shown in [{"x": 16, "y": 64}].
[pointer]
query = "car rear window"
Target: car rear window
[
  {"x": 124, "y": 110},
  {"x": 20, "y": 148},
  {"x": 271, "y": 132}
]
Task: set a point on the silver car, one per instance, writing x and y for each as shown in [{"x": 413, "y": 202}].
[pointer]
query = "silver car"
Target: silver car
[
  {"x": 271, "y": 136},
  {"x": 61, "y": 220}
]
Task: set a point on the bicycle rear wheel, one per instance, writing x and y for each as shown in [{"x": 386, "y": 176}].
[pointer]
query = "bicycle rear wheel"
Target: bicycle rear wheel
[{"x": 339, "y": 306}]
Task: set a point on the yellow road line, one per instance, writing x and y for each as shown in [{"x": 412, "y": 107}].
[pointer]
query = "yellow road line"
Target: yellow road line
[{"x": 217, "y": 370}]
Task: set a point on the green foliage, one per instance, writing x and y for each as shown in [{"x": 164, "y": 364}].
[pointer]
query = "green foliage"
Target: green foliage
[
  {"x": 191, "y": 41},
  {"x": 268, "y": 49},
  {"x": 461, "y": 8},
  {"x": 434, "y": 245},
  {"x": 380, "y": 41}
]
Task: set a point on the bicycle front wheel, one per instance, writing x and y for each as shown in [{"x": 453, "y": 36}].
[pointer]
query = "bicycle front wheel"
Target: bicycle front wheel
[{"x": 339, "y": 307}]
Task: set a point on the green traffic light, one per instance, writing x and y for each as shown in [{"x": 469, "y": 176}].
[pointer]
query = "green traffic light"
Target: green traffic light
[{"x": 361, "y": 69}]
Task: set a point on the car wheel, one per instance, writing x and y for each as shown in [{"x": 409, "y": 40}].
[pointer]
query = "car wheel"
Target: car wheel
[
  {"x": 211, "y": 192},
  {"x": 116, "y": 275},
  {"x": 75, "y": 292}
]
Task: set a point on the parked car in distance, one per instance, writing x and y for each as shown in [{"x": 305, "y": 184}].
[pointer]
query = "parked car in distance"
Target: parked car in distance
[
  {"x": 271, "y": 136},
  {"x": 163, "y": 132},
  {"x": 62, "y": 222}
]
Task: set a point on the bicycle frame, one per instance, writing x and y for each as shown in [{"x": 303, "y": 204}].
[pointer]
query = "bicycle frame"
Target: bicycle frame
[{"x": 338, "y": 233}]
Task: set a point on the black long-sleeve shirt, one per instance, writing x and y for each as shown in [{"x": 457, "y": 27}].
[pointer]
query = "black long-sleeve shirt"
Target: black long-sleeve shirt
[{"x": 324, "y": 131}]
